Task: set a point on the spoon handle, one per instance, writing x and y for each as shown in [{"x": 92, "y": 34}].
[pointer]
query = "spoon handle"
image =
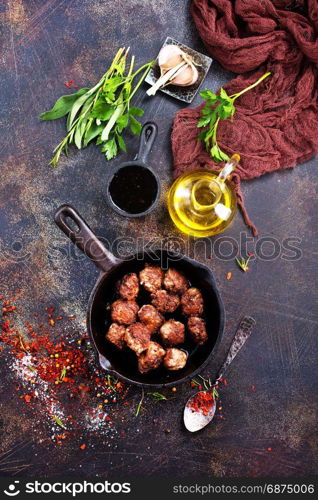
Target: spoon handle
[{"x": 242, "y": 334}]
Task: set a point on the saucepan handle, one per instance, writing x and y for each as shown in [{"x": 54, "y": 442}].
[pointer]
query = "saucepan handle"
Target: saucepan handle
[
  {"x": 83, "y": 237},
  {"x": 148, "y": 135}
]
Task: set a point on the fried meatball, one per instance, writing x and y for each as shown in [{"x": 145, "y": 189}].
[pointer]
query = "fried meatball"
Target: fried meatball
[
  {"x": 129, "y": 286},
  {"x": 124, "y": 311},
  {"x": 192, "y": 302},
  {"x": 152, "y": 318},
  {"x": 151, "y": 358},
  {"x": 175, "y": 282},
  {"x": 137, "y": 337},
  {"x": 165, "y": 301},
  {"x": 197, "y": 330},
  {"x": 172, "y": 332},
  {"x": 151, "y": 278},
  {"x": 175, "y": 359},
  {"x": 116, "y": 335}
]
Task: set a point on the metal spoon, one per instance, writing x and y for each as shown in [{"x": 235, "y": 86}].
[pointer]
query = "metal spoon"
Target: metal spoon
[{"x": 196, "y": 420}]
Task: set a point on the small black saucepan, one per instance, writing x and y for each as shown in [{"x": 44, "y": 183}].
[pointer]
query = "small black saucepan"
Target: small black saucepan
[
  {"x": 124, "y": 363},
  {"x": 133, "y": 188}
]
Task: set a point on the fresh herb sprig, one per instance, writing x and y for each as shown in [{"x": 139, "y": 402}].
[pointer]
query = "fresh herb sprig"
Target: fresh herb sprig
[
  {"x": 59, "y": 422},
  {"x": 102, "y": 112},
  {"x": 207, "y": 384},
  {"x": 157, "y": 396},
  {"x": 218, "y": 107},
  {"x": 139, "y": 406},
  {"x": 243, "y": 263},
  {"x": 112, "y": 383}
]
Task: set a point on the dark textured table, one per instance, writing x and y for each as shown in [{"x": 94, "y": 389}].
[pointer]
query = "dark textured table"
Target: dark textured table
[{"x": 270, "y": 403}]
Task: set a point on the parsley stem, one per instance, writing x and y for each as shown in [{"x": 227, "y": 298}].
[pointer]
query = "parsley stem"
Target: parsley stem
[
  {"x": 147, "y": 66},
  {"x": 140, "y": 402},
  {"x": 235, "y": 96}
]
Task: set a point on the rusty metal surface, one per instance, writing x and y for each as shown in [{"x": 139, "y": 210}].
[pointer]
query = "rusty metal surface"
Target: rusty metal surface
[{"x": 45, "y": 43}]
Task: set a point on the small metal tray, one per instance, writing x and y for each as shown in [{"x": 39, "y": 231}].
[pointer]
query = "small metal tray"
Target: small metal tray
[{"x": 185, "y": 94}]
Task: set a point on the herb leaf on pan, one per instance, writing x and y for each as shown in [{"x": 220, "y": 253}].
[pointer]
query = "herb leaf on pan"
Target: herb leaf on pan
[
  {"x": 218, "y": 107},
  {"x": 103, "y": 112}
]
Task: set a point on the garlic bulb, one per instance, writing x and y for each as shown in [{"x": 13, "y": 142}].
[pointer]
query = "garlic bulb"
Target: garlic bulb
[
  {"x": 176, "y": 67},
  {"x": 188, "y": 76},
  {"x": 169, "y": 57}
]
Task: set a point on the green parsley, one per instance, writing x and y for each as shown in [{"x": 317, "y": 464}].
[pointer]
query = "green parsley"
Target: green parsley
[
  {"x": 102, "y": 112},
  {"x": 218, "y": 107}
]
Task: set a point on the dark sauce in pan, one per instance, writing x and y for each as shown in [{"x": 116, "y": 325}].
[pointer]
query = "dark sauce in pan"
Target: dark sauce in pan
[{"x": 133, "y": 189}]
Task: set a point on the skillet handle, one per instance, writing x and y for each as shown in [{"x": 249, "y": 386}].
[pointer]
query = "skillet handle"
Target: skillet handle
[
  {"x": 148, "y": 135},
  {"x": 84, "y": 238}
]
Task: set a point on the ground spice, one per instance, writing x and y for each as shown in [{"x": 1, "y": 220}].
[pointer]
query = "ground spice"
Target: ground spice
[
  {"x": 202, "y": 402},
  {"x": 60, "y": 376}
]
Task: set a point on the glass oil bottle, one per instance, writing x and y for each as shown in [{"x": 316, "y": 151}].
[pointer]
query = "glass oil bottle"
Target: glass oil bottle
[{"x": 202, "y": 202}]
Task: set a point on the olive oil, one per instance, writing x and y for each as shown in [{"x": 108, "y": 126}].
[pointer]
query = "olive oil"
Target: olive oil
[{"x": 202, "y": 202}]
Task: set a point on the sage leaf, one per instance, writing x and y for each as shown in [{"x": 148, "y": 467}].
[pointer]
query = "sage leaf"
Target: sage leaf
[
  {"x": 75, "y": 109},
  {"x": 62, "y": 106},
  {"x": 93, "y": 131},
  {"x": 79, "y": 131}
]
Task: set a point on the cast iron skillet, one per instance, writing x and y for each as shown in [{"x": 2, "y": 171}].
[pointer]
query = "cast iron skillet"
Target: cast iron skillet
[{"x": 124, "y": 363}]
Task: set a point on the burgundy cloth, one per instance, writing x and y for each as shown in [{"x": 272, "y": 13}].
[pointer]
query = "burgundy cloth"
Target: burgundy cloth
[{"x": 276, "y": 124}]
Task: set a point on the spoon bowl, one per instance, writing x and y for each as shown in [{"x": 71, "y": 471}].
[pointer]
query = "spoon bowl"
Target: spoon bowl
[{"x": 194, "y": 420}]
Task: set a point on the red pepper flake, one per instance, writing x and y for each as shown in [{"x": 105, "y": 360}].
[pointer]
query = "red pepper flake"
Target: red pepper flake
[
  {"x": 225, "y": 382},
  {"x": 83, "y": 446},
  {"x": 253, "y": 387},
  {"x": 229, "y": 276},
  {"x": 58, "y": 364},
  {"x": 269, "y": 449},
  {"x": 52, "y": 322},
  {"x": 69, "y": 84},
  {"x": 202, "y": 403}
]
